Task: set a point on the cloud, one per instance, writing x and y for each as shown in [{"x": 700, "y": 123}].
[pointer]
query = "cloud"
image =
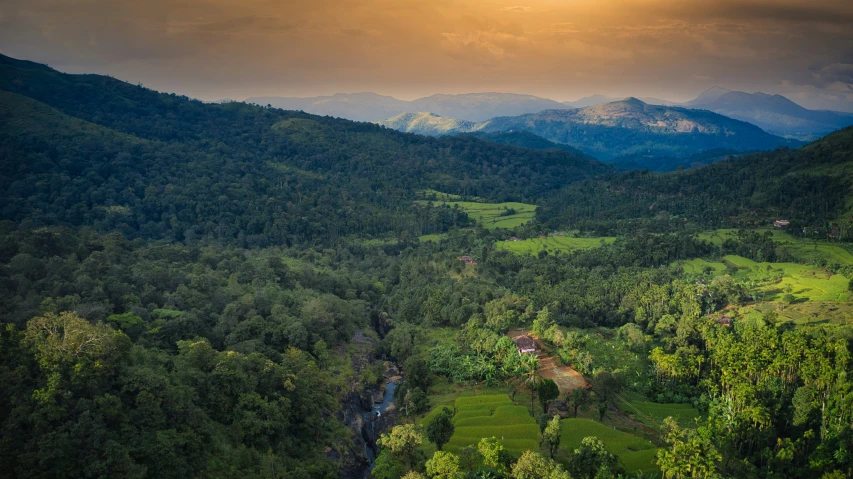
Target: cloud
[
  {"x": 834, "y": 76},
  {"x": 301, "y": 47},
  {"x": 243, "y": 24},
  {"x": 564, "y": 27},
  {"x": 817, "y": 98}
]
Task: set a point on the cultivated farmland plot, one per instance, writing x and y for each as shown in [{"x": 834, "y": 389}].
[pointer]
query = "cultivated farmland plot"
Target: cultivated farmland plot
[
  {"x": 552, "y": 244},
  {"x": 493, "y": 215},
  {"x": 804, "y": 282},
  {"x": 486, "y": 416}
]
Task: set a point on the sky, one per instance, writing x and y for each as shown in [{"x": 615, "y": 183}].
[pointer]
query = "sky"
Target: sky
[{"x": 559, "y": 49}]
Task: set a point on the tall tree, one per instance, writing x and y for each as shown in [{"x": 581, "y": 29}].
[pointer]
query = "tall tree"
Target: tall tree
[
  {"x": 443, "y": 465},
  {"x": 552, "y": 434},
  {"x": 440, "y": 428},
  {"x": 532, "y": 465},
  {"x": 530, "y": 375},
  {"x": 402, "y": 441}
]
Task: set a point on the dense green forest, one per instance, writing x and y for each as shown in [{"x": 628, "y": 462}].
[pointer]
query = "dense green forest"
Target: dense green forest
[
  {"x": 125, "y": 158},
  {"x": 199, "y": 290},
  {"x": 809, "y": 186}
]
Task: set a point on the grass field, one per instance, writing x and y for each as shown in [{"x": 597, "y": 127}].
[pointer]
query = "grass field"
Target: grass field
[
  {"x": 699, "y": 265},
  {"x": 799, "y": 248},
  {"x": 435, "y": 195},
  {"x": 652, "y": 413},
  {"x": 435, "y": 238},
  {"x": 805, "y": 283},
  {"x": 489, "y": 214},
  {"x": 635, "y": 453},
  {"x": 804, "y": 314},
  {"x": 552, "y": 244}
]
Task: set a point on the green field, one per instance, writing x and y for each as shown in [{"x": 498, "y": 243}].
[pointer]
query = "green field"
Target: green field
[
  {"x": 699, "y": 265},
  {"x": 805, "y": 283},
  {"x": 652, "y": 413},
  {"x": 800, "y": 248},
  {"x": 495, "y": 415},
  {"x": 436, "y": 195},
  {"x": 552, "y": 244},
  {"x": 635, "y": 453},
  {"x": 489, "y": 214},
  {"x": 435, "y": 238}
]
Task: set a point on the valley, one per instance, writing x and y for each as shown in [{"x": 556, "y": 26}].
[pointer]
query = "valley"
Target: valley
[{"x": 230, "y": 290}]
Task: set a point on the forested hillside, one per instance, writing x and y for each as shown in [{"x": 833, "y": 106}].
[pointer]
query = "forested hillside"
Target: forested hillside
[
  {"x": 810, "y": 186},
  {"x": 253, "y": 175}
]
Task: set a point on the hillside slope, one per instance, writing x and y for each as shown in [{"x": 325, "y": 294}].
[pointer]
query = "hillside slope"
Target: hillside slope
[
  {"x": 810, "y": 186},
  {"x": 524, "y": 139},
  {"x": 91, "y": 150}
]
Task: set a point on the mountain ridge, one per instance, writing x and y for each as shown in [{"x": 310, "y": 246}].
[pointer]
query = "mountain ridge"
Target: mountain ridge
[
  {"x": 627, "y": 127},
  {"x": 89, "y": 150},
  {"x": 774, "y": 113},
  {"x": 374, "y": 107}
]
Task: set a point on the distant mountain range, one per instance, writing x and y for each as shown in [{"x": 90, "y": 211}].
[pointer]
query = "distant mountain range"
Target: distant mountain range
[
  {"x": 373, "y": 107},
  {"x": 594, "y": 100},
  {"x": 623, "y": 130},
  {"x": 773, "y": 113}
]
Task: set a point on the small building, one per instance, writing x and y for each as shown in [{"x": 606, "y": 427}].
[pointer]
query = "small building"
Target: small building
[
  {"x": 513, "y": 238},
  {"x": 782, "y": 223},
  {"x": 467, "y": 260},
  {"x": 724, "y": 321},
  {"x": 525, "y": 344}
]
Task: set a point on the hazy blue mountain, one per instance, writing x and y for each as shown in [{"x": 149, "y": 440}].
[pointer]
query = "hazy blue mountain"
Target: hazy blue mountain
[
  {"x": 482, "y": 106},
  {"x": 708, "y": 96},
  {"x": 773, "y": 113},
  {"x": 631, "y": 129},
  {"x": 352, "y": 106},
  {"x": 591, "y": 100},
  {"x": 597, "y": 99},
  {"x": 373, "y": 107}
]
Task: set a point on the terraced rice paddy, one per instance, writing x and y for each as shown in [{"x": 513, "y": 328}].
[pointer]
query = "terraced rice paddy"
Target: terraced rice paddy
[
  {"x": 485, "y": 416},
  {"x": 479, "y": 417},
  {"x": 552, "y": 244},
  {"x": 635, "y": 453}
]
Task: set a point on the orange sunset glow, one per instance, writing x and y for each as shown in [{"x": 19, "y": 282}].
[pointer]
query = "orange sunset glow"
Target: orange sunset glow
[{"x": 557, "y": 49}]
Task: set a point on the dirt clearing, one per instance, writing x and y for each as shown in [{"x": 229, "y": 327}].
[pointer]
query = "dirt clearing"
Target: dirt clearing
[{"x": 565, "y": 377}]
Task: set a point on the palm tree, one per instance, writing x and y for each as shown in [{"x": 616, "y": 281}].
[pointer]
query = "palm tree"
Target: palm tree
[{"x": 530, "y": 375}]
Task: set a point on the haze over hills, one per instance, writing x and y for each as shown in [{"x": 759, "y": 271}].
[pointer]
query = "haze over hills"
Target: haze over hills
[
  {"x": 373, "y": 107},
  {"x": 597, "y": 99},
  {"x": 773, "y": 113},
  {"x": 628, "y": 128}
]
